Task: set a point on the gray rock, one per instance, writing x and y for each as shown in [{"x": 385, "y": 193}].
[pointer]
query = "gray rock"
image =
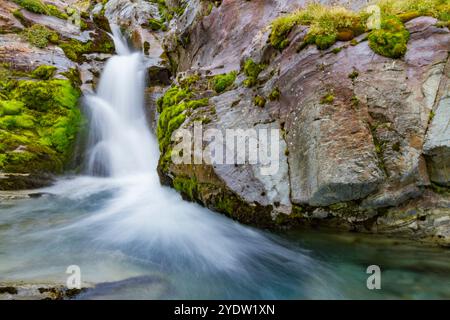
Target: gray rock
[{"x": 437, "y": 143}]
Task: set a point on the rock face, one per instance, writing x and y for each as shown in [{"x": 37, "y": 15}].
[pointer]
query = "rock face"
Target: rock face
[
  {"x": 358, "y": 149},
  {"x": 437, "y": 142}
]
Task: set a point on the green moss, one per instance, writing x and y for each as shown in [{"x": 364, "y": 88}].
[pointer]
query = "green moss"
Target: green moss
[
  {"x": 54, "y": 11},
  {"x": 188, "y": 187},
  {"x": 172, "y": 96},
  {"x": 222, "y": 82},
  {"x": 40, "y": 36},
  {"x": 168, "y": 12},
  {"x": 327, "y": 99},
  {"x": 227, "y": 205},
  {"x": 326, "y": 25},
  {"x": 19, "y": 16},
  {"x": 101, "y": 21},
  {"x": 38, "y": 124},
  {"x": 275, "y": 94},
  {"x": 355, "y": 101},
  {"x": 155, "y": 24},
  {"x": 73, "y": 75},
  {"x": 337, "y": 50},
  {"x": 10, "y": 107},
  {"x": 35, "y": 6},
  {"x": 173, "y": 107},
  {"x": 189, "y": 81},
  {"x": 252, "y": 71},
  {"x": 391, "y": 40},
  {"x": 75, "y": 49},
  {"x": 44, "y": 72},
  {"x": 260, "y": 101}
]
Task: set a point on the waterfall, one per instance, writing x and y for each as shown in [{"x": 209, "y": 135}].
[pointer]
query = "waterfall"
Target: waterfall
[{"x": 120, "y": 141}]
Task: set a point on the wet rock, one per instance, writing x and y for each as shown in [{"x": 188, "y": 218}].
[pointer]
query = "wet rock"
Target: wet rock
[{"x": 23, "y": 291}]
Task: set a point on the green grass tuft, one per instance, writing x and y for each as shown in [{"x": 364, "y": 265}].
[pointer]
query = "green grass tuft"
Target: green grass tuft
[{"x": 222, "y": 82}]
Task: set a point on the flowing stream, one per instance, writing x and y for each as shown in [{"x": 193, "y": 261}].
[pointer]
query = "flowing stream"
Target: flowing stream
[{"x": 133, "y": 238}]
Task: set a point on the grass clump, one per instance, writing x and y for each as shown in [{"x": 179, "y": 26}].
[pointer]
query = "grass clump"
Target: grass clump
[
  {"x": 43, "y": 72},
  {"x": 37, "y": 6},
  {"x": 252, "y": 71},
  {"x": 75, "y": 49},
  {"x": 410, "y": 9},
  {"x": 259, "y": 101},
  {"x": 222, "y": 82},
  {"x": 274, "y": 94},
  {"x": 40, "y": 36},
  {"x": 391, "y": 40},
  {"x": 326, "y": 25}
]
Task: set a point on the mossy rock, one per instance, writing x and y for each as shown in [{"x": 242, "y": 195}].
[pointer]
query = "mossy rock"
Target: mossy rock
[
  {"x": 223, "y": 82},
  {"x": 39, "y": 121},
  {"x": 44, "y": 72},
  {"x": 40, "y": 36},
  {"x": 391, "y": 40}
]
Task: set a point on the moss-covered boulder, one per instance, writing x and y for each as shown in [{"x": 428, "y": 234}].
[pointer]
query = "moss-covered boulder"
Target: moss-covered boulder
[{"x": 39, "y": 120}]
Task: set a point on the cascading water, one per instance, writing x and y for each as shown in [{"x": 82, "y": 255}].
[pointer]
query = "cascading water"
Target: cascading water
[{"x": 120, "y": 141}]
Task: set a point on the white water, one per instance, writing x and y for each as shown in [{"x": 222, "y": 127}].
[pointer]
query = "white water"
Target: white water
[{"x": 119, "y": 221}]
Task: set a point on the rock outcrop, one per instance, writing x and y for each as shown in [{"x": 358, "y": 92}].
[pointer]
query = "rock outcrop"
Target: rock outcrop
[{"x": 365, "y": 137}]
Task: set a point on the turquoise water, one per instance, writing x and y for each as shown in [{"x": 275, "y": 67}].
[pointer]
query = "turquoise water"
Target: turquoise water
[{"x": 133, "y": 253}]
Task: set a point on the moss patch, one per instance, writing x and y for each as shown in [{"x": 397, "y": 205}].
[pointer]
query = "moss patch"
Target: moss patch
[
  {"x": 222, "y": 82},
  {"x": 39, "y": 120},
  {"x": 37, "y": 6},
  {"x": 274, "y": 94},
  {"x": 44, "y": 72},
  {"x": 391, "y": 40},
  {"x": 40, "y": 36},
  {"x": 328, "y": 24},
  {"x": 252, "y": 71},
  {"x": 75, "y": 49},
  {"x": 173, "y": 108},
  {"x": 259, "y": 101}
]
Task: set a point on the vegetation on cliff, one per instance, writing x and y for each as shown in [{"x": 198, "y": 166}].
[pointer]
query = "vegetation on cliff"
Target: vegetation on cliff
[
  {"x": 222, "y": 82},
  {"x": 328, "y": 24},
  {"x": 173, "y": 107},
  {"x": 39, "y": 120},
  {"x": 37, "y": 6}
]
